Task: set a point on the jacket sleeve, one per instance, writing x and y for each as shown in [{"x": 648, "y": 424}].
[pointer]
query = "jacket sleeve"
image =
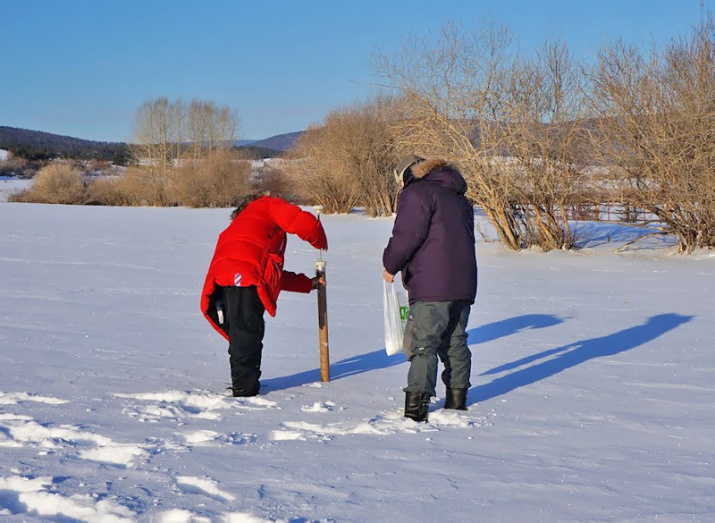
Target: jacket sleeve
[
  {"x": 412, "y": 223},
  {"x": 209, "y": 296},
  {"x": 292, "y": 219},
  {"x": 293, "y": 282}
]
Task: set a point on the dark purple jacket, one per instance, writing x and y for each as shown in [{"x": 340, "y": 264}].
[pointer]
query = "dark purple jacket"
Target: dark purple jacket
[{"x": 432, "y": 240}]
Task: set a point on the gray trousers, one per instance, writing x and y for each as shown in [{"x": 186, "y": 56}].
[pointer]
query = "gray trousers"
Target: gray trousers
[{"x": 437, "y": 329}]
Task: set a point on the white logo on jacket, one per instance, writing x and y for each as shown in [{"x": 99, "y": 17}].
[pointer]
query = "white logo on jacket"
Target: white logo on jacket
[{"x": 237, "y": 279}]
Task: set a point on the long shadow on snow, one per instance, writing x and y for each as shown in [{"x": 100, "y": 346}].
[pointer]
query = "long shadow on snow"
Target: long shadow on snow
[
  {"x": 574, "y": 354},
  {"x": 503, "y": 328},
  {"x": 348, "y": 367},
  {"x": 380, "y": 360}
]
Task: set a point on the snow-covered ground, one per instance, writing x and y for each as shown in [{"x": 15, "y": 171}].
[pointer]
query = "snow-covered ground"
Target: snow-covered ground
[
  {"x": 10, "y": 185},
  {"x": 592, "y": 397}
]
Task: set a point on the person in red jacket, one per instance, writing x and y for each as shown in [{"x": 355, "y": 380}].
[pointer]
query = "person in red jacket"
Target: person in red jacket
[{"x": 246, "y": 275}]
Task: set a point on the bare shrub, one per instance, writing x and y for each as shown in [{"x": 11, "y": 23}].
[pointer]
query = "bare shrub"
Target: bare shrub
[
  {"x": 658, "y": 118},
  {"x": 104, "y": 191},
  {"x": 542, "y": 105},
  {"x": 273, "y": 179},
  {"x": 506, "y": 120},
  {"x": 348, "y": 160},
  {"x": 136, "y": 187},
  {"x": 99, "y": 166},
  {"x": 58, "y": 183},
  {"x": 218, "y": 181},
  {"x": 314, "y": 173},
  {"x": 16, "y": 166},
  {"x": 449, "y": 89}
]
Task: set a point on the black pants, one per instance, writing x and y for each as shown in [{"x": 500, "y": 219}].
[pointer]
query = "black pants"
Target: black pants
[{"x": 246, "y": 326}]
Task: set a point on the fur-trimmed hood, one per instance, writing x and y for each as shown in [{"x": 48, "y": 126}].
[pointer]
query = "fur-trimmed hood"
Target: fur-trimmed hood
[{"x": 441, "y": 171}]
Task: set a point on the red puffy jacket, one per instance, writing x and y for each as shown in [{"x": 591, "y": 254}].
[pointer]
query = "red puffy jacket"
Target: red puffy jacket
[{"x": 250, "y": 252}]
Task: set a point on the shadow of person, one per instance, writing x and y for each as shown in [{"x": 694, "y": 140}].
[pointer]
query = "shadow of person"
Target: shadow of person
[
  {"x": 380, "y": 360},
  {"x": 500, "y": 329},
  {"x": 342, "y": 369},
  {"x": 575, "y": 354}
]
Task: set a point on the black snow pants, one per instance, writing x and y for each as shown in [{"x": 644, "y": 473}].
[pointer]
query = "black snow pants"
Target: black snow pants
[
  {"x": 246, "y": 326},
  {"x": 439, "y": 329}
]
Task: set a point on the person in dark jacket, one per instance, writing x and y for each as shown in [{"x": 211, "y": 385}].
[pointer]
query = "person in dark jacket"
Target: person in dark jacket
[
  {"x": 246, "y": 275},
  {"x": 433, "y": 246}
]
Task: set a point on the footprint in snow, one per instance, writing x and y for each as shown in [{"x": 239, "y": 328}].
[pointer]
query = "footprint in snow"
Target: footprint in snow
[
  {"x": 23, "y": 431},
  {"x": 34, "y": 496},
  {"x": 181, "y": 405},
  {"x": 385, "y": 423}
]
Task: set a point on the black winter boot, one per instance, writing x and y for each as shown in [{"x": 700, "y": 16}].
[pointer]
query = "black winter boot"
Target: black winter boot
[
  {"x": 242, "y": 392},
  {"x": 417, "y": 405},
  {"x": 456, "y": 399}
]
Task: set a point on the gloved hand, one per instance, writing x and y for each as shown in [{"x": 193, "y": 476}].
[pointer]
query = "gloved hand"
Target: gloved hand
[{"x": 318, "y": 280}]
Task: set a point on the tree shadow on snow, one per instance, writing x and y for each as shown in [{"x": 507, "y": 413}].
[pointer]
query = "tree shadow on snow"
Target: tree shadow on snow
[
  {"x": 573, "y": 354},
  {"x": 380, "y": 360}
]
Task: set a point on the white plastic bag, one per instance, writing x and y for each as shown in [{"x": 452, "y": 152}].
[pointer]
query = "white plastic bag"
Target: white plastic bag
[{"x": 396, "y": 310}]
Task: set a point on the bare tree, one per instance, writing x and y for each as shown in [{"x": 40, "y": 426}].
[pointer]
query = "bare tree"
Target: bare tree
[
  {"x": 452, "y": 104},
  {"x": 511, "y": 122},
  {"x": 658, "y": 118},
  {"x": 163, "y": 130},
  {"x": 540, "y": 115},
  {"x": 151, "y": 131},
  {"x": 177, "y": 129},
  {"x": 348, "y": 160},
  {"x": 210, "y": 128},
  {"x": 195, "y": 128}
]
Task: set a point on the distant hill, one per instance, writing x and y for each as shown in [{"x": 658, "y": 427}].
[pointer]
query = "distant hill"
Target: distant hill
[
  {"x": 38, "y": 145},
  {"x": 271, "y": 147},
  {"x": 280, "y": 142},
  {"x": 250, "y": 152}
]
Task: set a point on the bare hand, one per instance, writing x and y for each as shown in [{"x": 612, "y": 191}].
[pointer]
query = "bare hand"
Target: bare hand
[{"x": 389, "y": 278}]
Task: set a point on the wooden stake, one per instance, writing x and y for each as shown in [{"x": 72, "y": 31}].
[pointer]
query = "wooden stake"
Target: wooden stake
[{"x": 323, "y": 324}]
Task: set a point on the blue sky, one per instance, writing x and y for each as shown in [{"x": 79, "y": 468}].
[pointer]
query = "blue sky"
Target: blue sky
[{"x": 82, "y": 67}]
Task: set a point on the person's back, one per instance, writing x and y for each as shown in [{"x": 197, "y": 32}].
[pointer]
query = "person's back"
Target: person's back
[
  {"x": 433, "y": 238},
  {"x": 246, "y": 276},
  {"x": 250, "y": 250},
  {"x": 435, "y": 224},
  {"x": 433, "y": 245},
  {"x": 245, "y": 244}
]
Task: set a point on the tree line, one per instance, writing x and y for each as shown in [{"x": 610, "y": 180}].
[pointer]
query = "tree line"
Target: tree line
[
  {"x": 541, "y": 137},
  {"x": 37, "y": 146}
]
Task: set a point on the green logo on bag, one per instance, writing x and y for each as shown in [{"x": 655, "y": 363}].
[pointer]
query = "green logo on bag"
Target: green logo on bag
[{"x": 404, "y": 312}]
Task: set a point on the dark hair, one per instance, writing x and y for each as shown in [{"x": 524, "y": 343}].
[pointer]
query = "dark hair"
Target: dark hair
[{"x": 243, "y": 202}]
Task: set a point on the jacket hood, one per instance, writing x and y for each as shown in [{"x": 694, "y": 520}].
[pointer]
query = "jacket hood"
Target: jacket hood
[
  {"x": 246, "y": 200},
  {"x": 442, "y": 172}
]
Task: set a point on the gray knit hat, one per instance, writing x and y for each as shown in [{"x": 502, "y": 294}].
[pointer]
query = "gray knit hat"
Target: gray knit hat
[{"x": 403, "y": 171}]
